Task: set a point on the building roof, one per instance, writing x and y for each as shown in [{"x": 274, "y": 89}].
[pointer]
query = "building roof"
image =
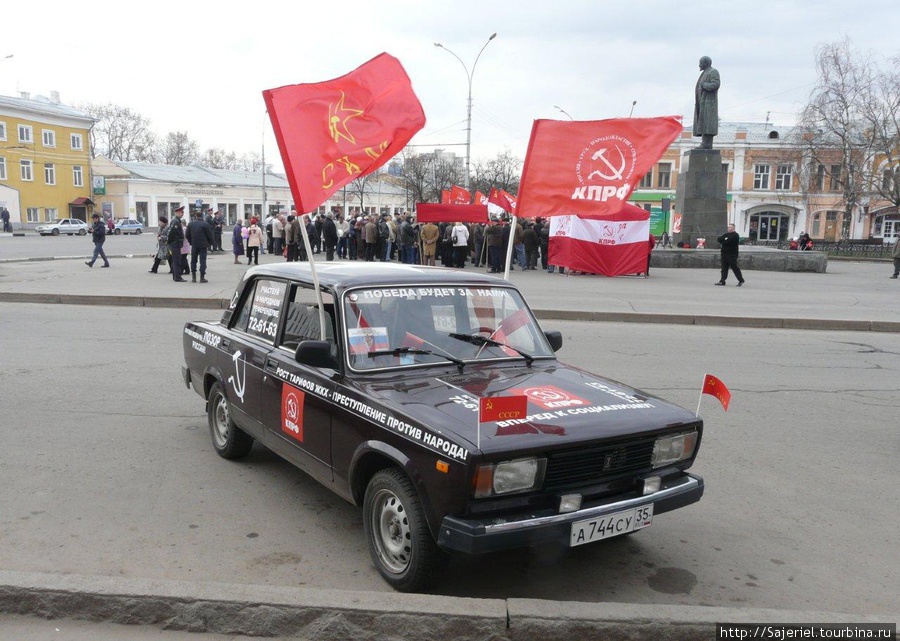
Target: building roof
[
  {"x": 196, "y": 175},
  {"x": 41, "y": 105},
  {"x": 757, "y": 132}
]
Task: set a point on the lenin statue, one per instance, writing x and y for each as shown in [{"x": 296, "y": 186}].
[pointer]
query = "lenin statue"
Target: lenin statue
[{"x": 706, "y": 106}]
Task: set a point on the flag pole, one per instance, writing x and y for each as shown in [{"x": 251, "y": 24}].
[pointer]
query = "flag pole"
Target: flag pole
[
  {"x": 509, "y": 248},
  {"x": 315, "y": 278},
  {"x": 697, "y": 413}
]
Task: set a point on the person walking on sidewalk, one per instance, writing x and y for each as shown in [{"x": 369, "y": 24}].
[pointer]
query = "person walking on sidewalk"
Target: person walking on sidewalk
[
  {"x": 200, "y": 236},
  {"x": 98, "y": 235},
  {"x": 174, "y": 240},
  {"x": 254, "y": 242},
  {"x": 237, "y": 241},
  {"x": 4, "y": 215},
  {"x": 162, "y": 248},
  {"x": 896, "y": 256},
  {"x": 730, "y": 241}
]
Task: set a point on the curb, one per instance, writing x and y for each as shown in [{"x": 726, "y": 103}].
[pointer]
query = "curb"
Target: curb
[
  {"x": 541, "y": 314},
  {"x": 337, "y": 615}
]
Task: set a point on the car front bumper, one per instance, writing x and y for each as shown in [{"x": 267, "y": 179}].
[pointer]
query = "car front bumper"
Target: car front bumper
[{"x": 475, "y": 536}]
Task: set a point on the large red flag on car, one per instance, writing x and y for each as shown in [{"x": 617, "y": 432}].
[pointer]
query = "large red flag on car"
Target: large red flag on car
[
  {"x": 589, "y": 168},
  {"x": 460, "y": 196},
  {"x": 612, "y": 246},
  {"x": 332, "y": 132}
]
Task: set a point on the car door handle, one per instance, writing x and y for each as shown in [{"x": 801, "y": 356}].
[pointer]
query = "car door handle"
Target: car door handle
[
  {"x": 271, "y": 364},
  {"x": 226, "y": 343}
]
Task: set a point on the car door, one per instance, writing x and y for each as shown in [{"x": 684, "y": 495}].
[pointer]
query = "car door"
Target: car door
[
  {"x": 64, "y": 226},
  {"x": 248, "y": 344},
  {"x": 296, "y": 399}
]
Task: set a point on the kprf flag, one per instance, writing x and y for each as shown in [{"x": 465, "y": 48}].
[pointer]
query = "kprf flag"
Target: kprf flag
[
  {"x": 502, "y": 408},
  {"x": 496, "y": 198},
  {"x": 480, "y": 199},
  {"x": 714, "y": 387},
  {"x": 510, "y": 199},
  {"x": 460, "y": 196},
  {"x": 589, "y": 168},
  {"x": 612, "y": 246},
  {"x": 445, "y": 196},
  {"x": 333, "y": 132}
]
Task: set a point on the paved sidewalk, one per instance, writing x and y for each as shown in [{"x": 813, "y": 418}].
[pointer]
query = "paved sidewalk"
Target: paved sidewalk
[{"x": 851, "y": 295}]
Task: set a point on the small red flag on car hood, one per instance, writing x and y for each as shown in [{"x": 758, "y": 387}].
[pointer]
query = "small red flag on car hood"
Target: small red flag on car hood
[
  {"x": 502, "y": 408},
  {"x": 714, "y": 387}
]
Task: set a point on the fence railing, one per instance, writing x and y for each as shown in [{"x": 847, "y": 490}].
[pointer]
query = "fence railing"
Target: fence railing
[{"x": 851, "y": 249}]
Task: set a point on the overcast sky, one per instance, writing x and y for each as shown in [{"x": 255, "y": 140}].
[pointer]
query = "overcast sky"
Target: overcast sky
[{"x": 198, "y": 67}]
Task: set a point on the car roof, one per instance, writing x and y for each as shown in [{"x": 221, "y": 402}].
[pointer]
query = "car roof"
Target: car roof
[{"x": 345, "y": 275}]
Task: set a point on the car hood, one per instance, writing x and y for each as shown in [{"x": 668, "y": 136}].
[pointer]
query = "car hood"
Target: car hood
[{"x": 565, "y": 406}]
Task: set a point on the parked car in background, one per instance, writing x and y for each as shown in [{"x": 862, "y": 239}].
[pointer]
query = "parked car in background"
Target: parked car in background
[
  {"x": 433, "y": 400},
  {"x": 68, "y": 226},
  {"x": 128, "y": 226}
]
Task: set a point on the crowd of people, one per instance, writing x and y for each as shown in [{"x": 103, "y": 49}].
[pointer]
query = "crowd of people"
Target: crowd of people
[{"x": 395, "y": 237}]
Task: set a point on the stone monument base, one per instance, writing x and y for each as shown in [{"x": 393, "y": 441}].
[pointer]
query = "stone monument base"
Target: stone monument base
[
  {"x": 701, "y": 198},
  {"x": 752, "y": 258}
]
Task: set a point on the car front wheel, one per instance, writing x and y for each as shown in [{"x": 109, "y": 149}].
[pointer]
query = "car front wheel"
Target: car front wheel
[
  {"x": 55, "y": 232},
  {"x": 228, "y": 439},
  {"x": 137, "y": 231},
  {"x": 82, "y": 232},
  {"x": 401, "y": 545},
  {"x": 117, "y": 232}
]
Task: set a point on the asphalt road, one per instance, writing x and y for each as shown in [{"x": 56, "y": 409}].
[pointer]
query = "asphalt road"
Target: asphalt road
[
  {"x": 107, "y": 469},
  {"x": 32, "y": 245}
]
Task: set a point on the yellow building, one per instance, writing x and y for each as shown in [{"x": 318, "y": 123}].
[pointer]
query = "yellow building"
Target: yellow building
[{"x": 45, "y": 160}]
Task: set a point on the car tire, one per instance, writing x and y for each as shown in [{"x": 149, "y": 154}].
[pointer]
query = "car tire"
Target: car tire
[
  {"x": 117, "y": 232},
  {"x": 55, "y": 232},
  {"x": 400, "y": 543},
  {"x": 82, "y": 232},
  {"x": 137, "y": 232},
  {"x": 229, "y": 441}
]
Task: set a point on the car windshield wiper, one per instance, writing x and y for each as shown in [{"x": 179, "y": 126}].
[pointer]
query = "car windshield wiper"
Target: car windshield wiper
[
  {"x": 397, "y": 351},
  {"x": 477, "y": 339}
]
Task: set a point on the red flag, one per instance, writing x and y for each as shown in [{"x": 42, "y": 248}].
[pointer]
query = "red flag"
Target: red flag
[
  {"x": 714, "y": 387},
  {"x": 435, "y": 213},
  {"x": 510, "y": 199},
  {"x": 502, "y": 408},
  {"x": 496, "y": 198},
  {"x": 445, "y": 196},
  {"x": 460, "y": 196},
  {"x": 589, "y": 168},
  {"x": 332, "y": 132},
  {"x": 612, "y": 246},
  {"x": 480, "y": 199}
]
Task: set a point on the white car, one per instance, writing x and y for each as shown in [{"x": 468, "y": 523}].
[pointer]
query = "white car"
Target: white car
[{"x": 67, "y": 226}]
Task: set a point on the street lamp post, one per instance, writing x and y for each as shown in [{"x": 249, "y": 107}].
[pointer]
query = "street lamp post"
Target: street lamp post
[{"x": 469, "y": 75}]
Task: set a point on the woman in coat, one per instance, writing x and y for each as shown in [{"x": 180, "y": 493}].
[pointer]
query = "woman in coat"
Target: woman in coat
[
  {"x": 162, "y": 249},
  {"x": 254, "y": 240},
  {"x": 237, "y": 241}
]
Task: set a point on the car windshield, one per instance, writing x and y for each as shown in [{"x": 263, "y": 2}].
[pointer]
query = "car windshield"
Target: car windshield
[{"x": 404, "y": 326}]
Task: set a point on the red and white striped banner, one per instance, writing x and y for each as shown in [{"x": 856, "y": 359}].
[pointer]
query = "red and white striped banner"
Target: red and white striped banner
[{"x": 613, "y": 246}]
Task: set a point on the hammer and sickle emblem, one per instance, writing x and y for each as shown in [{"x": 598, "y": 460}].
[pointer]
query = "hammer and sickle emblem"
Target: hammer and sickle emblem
[
  {"x": 488, "y": 406},
  {"x": 617, "y": 174}
]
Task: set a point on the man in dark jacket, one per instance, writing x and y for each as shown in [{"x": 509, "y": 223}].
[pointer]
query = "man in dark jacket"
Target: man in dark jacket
[
  {"x": 175, "y": 240},
  {"x": 329, "y": 235},
  {"x": 530, "y": 240},
  {"x": 98, "y": 235},
  {"x": 199, "y": 235},
  {"x": 730, "y": 241}
]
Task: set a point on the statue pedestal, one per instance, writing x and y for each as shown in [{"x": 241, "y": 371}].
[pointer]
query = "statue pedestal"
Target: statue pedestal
[{"x": 701, "y": 198}]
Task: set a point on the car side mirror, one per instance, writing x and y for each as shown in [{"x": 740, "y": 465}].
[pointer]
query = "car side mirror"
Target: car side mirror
[
  {"x": 315, "y": 354},
  {"x": 555, "y": 340}
]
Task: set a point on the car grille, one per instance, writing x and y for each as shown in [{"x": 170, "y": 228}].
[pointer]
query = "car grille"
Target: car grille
[{"x": 597, "y": 464}]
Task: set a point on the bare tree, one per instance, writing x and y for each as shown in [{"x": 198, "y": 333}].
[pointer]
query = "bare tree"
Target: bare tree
[
  {"x": 358, "y": 190},
  {"x": 121, "y": 134},
  {"x": 835, "y": 129},
  {"x": 416, "y": 174},
  {"x": 502, "y": 171},
  {"x": 180, "y": 149},
  {"x": 884, "y": 121},
  {"x": 217, "y": 158}
]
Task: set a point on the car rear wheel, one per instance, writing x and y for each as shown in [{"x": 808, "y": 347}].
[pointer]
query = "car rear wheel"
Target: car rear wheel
[
  {"x": 228, "y": 439},
  {"x": 401, "y": 545},
  {"x": 55, "y": 232},
  {"x": 137, "y": 231}
]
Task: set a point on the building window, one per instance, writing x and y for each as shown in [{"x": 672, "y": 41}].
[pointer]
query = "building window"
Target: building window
[
  {"x": 50, "y": 174},
  {"x": 77, "y": 176},
  {"x": 761, "y": 176},
  {"x": 75, "y": 141},
  {"x": 2, "y": 131},
  {"x": 25, "y": 170},
  {"x": 725, "y": 168},
  {"x": 819, "y": 184},
  {"x": 665, "y": 175},
  {"x": 25, "y": 134},
  {"x": 32, "y": 215},
  {"x": 887, "y": 180},
  {"x": 2, "y": 168},
  {"x": 647, "y": 180},
  {"x": 51, "y": 213},
  {"x": 834, "y": 183},
  {"x": 783, "y": 177},
  {"x": 817, "y": 223},
  {"x": 49, "y": 137}
]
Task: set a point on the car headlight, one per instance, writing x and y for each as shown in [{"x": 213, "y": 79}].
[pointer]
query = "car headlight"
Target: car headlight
[
  {"x": 672, "y": 449},
  {"x": 509, "y": 477}
]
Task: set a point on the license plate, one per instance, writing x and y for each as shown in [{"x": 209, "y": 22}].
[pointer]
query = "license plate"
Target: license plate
[{"x": 615, "y": 524}]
